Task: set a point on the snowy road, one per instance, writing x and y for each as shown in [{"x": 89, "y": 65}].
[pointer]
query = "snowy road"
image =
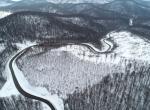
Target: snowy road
[
  {"x": 108, "y": 46},
  {"x": 18, "y": 86}
]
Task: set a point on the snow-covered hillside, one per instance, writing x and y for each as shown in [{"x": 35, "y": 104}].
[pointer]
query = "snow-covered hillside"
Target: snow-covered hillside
[
  {"x": 4, "y": 14},
  {"x": 131, "y": 46}
]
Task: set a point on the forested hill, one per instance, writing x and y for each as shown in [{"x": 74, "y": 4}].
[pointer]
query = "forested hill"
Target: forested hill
[{"x": 40, "y": 25}]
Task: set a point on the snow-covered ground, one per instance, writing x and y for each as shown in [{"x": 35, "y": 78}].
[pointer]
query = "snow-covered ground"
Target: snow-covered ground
[
  {"x": 25, "y": 44},
  {"x": 4, "y": 14},
  {"x": 131, "y": 46},
  {"x": 9, "y": 88}
]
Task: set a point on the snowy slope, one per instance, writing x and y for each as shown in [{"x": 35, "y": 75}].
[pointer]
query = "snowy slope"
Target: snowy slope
[
  {"x": 131, "y": 46},
  {"x": 4, "y": 14}
]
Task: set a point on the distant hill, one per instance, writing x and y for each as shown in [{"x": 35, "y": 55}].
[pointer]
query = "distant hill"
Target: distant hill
[
  {"x": 131, "y": 8},
  {"x": 40, "y": 25}
]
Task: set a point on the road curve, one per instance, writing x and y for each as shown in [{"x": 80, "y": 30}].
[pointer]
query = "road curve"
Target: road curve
[
  {"x": 104, "y": 41},
  {"x": 19, "y": 88}
]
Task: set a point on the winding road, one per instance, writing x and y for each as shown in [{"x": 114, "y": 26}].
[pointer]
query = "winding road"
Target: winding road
[
  {"x": 18, "y": 86},
  {"x": 109, "y": 46},
  {"x": 30, "y": 95}
]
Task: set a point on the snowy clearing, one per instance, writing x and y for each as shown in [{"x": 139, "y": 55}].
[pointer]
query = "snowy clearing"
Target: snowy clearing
[
  {"x": 4, "y": 14},
  {"x": 131, "y": 46}
]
